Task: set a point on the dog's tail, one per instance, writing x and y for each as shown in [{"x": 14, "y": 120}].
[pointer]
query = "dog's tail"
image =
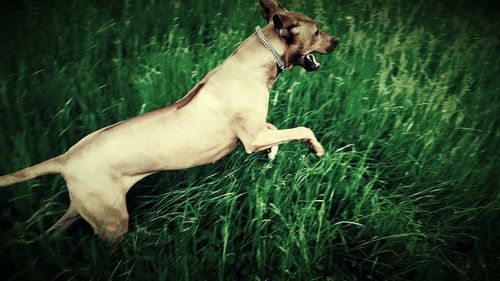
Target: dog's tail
[{"x": 51, "y": 166}]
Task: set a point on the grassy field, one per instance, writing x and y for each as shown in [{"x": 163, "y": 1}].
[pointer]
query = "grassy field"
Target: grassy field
[{"x": 407, "y": 108}]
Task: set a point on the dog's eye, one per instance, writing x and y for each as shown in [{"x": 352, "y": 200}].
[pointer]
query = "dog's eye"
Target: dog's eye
[{"x": 316, "y": 33}]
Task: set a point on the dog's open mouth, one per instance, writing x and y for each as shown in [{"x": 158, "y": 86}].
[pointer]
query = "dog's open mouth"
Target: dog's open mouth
[{"x": 310, "y": 62}]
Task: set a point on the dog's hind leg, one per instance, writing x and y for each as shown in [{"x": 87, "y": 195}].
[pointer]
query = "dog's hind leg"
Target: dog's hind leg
[
  {"x": 64, "y": 222},
  {"x": 102, "y": 204},
  {"x": 109, "y": 219}
]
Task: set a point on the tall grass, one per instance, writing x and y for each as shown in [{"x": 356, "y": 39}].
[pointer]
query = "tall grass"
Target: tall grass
[{"x": 406, "y": 108}]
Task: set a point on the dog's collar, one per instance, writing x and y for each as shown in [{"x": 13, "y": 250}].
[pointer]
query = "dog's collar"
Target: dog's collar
[{"x": 263, "y": 39}]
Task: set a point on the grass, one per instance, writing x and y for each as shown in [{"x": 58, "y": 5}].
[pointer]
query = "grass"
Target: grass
[{"x": 407, "y": 109}]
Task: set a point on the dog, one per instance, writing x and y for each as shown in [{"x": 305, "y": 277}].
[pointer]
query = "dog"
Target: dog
[{"x": 226, "y": 108}]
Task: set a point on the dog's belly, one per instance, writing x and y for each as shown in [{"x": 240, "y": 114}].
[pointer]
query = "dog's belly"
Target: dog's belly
[
  {"x": 144, "y": 146},
  {"x": 183, "y": 148}
]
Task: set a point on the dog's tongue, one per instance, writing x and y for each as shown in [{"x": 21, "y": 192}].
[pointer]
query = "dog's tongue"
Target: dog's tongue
[{"x": 311, "y": 60}]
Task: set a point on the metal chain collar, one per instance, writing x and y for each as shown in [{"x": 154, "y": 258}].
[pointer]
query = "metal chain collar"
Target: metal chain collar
[{"x": 263, "y": 39}]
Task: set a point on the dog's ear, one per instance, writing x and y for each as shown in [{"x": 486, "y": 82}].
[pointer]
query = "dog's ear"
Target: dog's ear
[
  {"x": 285, "y": 25},
  {"x": 269, "y": 8}
]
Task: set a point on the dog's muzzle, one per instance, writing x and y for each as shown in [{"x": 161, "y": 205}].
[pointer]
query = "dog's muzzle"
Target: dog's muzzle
[{"x": 310, "y": 62}]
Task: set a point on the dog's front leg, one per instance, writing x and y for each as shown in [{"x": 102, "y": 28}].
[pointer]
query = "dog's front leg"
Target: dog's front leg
[
  {"x": 273, "y": 150},
  {"x": 264, "y": 138}
]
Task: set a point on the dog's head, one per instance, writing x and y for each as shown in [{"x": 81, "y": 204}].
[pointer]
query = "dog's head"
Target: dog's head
[{"x": 301, "y": 34}]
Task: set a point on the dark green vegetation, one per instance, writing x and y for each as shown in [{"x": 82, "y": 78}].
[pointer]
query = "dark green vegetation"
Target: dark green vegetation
[{"x": 407, "y": 109}]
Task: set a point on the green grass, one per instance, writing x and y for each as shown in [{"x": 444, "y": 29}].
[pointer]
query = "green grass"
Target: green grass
[{"x": 407, "y": 109}]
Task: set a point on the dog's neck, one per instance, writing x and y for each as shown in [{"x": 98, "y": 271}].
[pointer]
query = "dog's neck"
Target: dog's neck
[
  {"x": 252, "y": 54},
  {"x": 270, "y": 48}
]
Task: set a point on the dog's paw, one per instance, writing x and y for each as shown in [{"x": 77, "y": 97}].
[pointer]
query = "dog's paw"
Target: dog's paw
[
  {"x": 318, "y": 148},
  {"x": 272, "y": 152}
]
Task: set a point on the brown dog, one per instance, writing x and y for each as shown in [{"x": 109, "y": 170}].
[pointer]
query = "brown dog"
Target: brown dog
[{"x": 228, "y": 106}]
